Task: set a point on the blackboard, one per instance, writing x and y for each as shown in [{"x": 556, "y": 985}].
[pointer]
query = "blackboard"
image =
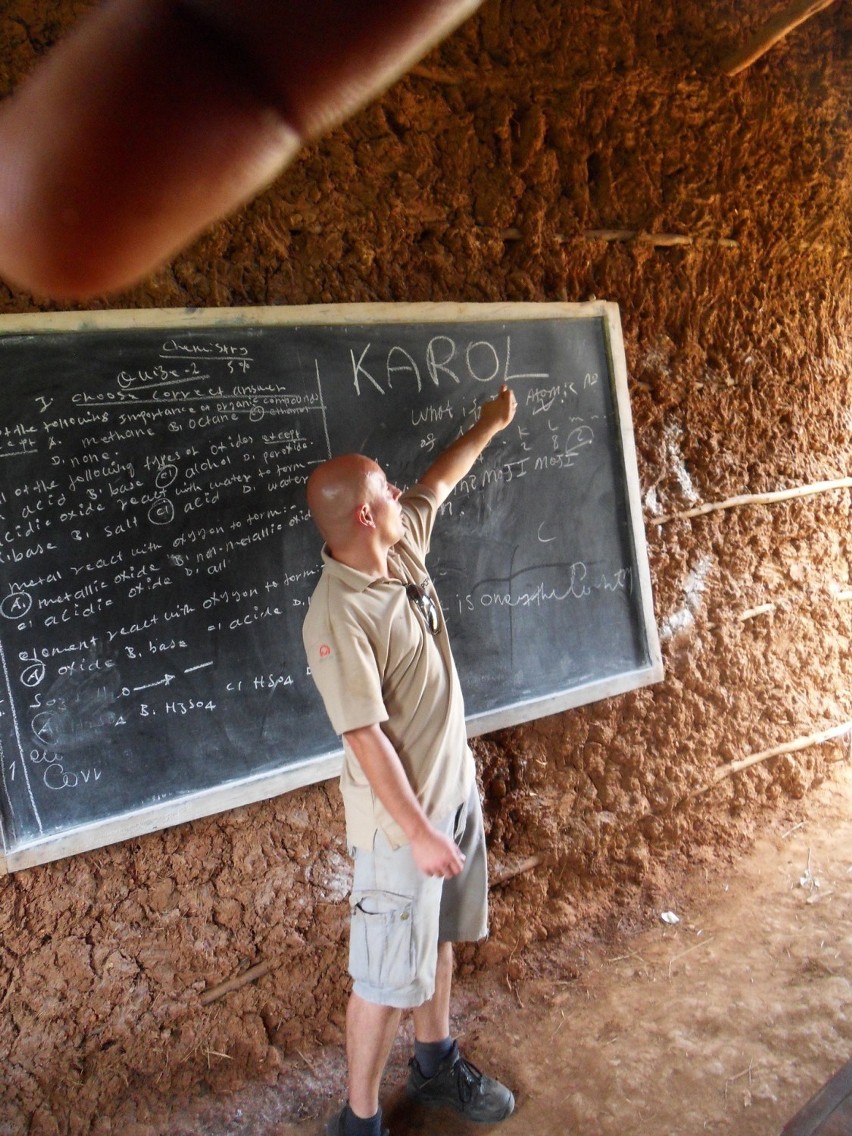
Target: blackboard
[{"x": 156, "y": 555}]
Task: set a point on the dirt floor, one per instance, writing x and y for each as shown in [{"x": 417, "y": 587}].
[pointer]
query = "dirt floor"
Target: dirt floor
[{"x": 725, "y": 1022}]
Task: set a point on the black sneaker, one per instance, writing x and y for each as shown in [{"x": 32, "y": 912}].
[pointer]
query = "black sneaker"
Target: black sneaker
[
  {"x": 463, "y": 1087},
  {"x": 334, "y": 1127}
]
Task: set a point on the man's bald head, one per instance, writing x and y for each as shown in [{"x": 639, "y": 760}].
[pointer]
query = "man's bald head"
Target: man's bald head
[{"x": 335, "y": 490}]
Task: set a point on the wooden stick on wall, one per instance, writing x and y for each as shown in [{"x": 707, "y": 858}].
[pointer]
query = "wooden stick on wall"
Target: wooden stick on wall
[
  {"x": 502, "y": 876},
  {"x": 775, "y": 751},
  {"x": 637, "y": 236},
  {"x": 250, "y": 975},
  {"x": 755, "y": 499},
  {"x": 772, "y": 32}
]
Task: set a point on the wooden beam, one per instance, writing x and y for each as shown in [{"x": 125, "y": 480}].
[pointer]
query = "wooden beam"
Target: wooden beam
[
  {"x": 772, "y": 32},
  {"x": 829, "y": 1110}
]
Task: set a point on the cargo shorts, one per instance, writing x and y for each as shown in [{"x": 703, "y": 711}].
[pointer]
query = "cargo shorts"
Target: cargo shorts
[{"x": 399, "y": 915}]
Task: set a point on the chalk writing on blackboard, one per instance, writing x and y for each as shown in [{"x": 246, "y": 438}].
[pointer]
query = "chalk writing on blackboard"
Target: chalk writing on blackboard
[{"x": 156, "y": 554}]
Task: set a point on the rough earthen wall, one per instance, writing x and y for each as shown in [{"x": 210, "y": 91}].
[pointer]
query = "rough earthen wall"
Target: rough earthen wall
[{"x": 477, "y": 178}]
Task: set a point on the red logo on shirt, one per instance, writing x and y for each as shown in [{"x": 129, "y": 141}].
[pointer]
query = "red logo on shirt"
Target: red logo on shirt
[{"x": 324, "y": 651}]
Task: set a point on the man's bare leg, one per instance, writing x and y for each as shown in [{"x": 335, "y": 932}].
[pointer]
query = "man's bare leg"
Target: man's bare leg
[
  {"x": 370, "y": 1033},
  {"x": 432, "y": 1019}
]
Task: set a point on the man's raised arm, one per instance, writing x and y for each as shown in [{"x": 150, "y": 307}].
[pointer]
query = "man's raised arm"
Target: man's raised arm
[{"x": 457, "y": 459}]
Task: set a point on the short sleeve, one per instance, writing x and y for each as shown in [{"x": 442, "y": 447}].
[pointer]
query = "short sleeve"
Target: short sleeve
[
  {"x": 421, "y": 507},
  {"x": 343, "y": 666}
]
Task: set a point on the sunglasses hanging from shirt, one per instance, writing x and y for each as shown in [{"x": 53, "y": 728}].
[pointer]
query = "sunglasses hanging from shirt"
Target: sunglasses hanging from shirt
[{"x": 426, "y": 606}]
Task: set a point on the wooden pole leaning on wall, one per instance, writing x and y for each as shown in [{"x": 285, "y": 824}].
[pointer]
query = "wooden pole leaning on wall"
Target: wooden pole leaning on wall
[
  {"x": 754, "y": 499},
  {"x": 772, "y": 32}
]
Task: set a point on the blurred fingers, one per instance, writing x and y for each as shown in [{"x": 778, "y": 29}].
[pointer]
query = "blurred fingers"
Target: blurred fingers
[{"x": 154, "y": 119}]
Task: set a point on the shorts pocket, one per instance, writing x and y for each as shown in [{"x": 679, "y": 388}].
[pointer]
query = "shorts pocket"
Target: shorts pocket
[{"x": 381, "y": 940}]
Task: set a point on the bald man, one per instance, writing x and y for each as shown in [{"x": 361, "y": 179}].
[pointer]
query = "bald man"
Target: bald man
[{"x": 379, "y": 653}]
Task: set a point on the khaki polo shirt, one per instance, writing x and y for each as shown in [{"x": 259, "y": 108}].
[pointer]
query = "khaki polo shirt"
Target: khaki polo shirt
[{"x": 374, "y": 661}]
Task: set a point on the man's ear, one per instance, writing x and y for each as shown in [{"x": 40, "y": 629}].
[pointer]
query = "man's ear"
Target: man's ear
[{"x": 364, "y": 517}]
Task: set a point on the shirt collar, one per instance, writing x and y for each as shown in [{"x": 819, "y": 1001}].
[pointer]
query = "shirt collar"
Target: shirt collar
[{"x": 359, "y": 581}]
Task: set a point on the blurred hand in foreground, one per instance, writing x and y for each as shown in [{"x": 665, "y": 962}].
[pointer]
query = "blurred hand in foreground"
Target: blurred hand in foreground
[{"x": 154, "y": 118}]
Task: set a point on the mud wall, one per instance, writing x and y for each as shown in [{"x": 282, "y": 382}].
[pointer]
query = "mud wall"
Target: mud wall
[{"x": 480, "y": 177}]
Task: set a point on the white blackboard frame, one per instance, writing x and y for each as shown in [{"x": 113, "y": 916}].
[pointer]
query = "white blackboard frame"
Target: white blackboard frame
[{"x": 246, "y": 791}]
